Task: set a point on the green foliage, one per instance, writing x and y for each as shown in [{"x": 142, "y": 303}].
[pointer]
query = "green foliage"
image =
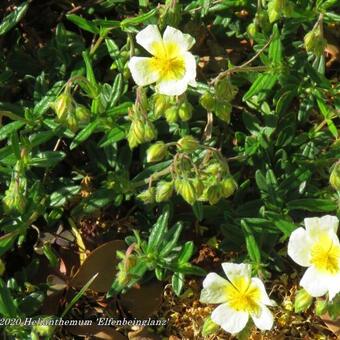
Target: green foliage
[{"x": 243, "y": 156}]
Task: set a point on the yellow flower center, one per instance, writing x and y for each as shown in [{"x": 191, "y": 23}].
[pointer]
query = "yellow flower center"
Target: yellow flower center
[
  {"x": 243, "y": 296},
  {"x": 325, "y": 255},
  {"x": 168, "y": 61}
]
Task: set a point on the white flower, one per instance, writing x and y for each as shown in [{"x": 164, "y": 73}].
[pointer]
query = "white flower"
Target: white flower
[
  {"x": 317, "y": 247},
  {"x": 240, "y": 297},
  {"x": 171, "y": 66}
]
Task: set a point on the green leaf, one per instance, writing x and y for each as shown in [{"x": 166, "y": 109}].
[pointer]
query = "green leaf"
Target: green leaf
[
  {"x": 252, "y": 247},
  {"x": 177, "y": 282},
  {"x": 83, "y": 23},
  {"x": 158, "y": 231},
  {"x": 275, "y": 48},
  {"x": 263, "y": 83},
  {"x": 186, "y": 252},
  {"x": 47, "y": 159},
  {"x": 312, "y": 204},
  {"x": 9, "y": 128},
  {"x": 13, "y": 18},
  {"x": 139, "y": 19},
  {"x": 115, "y": 135},
  {"x": 78, "y": 295},
  {"x": 84, "y": 134},
  {"x": 44, "y": 104},
  {"x": 8, "y": 308},
  {"x": 171, "y": 239}
]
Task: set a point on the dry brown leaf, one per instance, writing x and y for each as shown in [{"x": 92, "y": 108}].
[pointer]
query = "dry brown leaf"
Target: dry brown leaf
[{"x": 102, "y": 260}]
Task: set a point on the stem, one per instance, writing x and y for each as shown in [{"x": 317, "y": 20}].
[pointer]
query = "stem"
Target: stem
[
  {"x": 153, "y": 177},
  {"x": 243, "y": 67}
]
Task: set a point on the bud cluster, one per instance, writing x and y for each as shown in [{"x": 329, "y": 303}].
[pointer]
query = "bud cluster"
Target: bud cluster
[
  {"x": 172, "y": 108},
  {"x": 219, "y": 102},
  {"x": 142, "y": 130},
  {"x": 194, "y": 181},
  {"x": 69, "y": 112}
]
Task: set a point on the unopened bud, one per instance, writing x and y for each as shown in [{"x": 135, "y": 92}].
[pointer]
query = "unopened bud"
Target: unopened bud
[
  {"x": 302, "y": 301},
  {"x": 161, "y": 103},
  {"x": 334, "y": 178},
  {"x": 150, "y": 132},
  {"x": 321, "y": 307},
  {"x": 214, "y": 193},
  {"x": 208, "y": 102},
  {"x": 213, "y": 169},
  {"x": 147, "y": 196},
  {"x": 209, "y": 327},
  {"x": 138, "y": 129},
  {"x": 228, "y": 187},
  {"x": 185, "y": 111},
  {"x": 83, "y": 114},
  {"x": 185, "y": 188},
  {"x": 15, "y": 196},
  {"x": 314, "y": 42},
  {"x": 164, "y": 191},
  {"x": 199, "y": 186},
  {"x": 223, "y": 110},
  {"x": 188, "y": 144},
  {"x": 171, "y": 114},
  {"x": 63, "y": 105},
  {"x": 156, "y": 152}
]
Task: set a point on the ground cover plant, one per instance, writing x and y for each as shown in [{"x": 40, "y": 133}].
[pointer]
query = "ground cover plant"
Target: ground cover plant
[{"x": 174, "y": 163}]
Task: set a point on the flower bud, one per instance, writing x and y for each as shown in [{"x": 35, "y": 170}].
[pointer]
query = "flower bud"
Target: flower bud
[
  {"x": 251, "y": 30},
  {"x": 71, "y": 121},
  {"x": 161, "y": 103},
  {"x": 83, "y": 114},
  {"x": 188, "y": 144},
  {"x": 185, "y": 188},
  {"x": 214, "y": 193},
  {"x": 156, "y": 152},
  {"x": 225, "y": 90},
  {"x": 44, "y": 329},
  {"x": 164, "y": 191},
  {"x": 63, "y": 105},
  {"x": 150, "y": 132},
  {"x": 207, "y": 101},
  {"x": 228, "y": 187},
  {"x": 147, "y": 196},
  {"x": 302, "y": 301},
  {"x": 213, "y": 169},
  {"x": 209, "y": 327},
  {"x": 15, "y": 196},
  {"x": 138, "y": 130},
  {"x": 314, "y": 42},
  {"x": 171, "y": 114},
  {"x": 223, "y": 110},
  {"x": 185, "y": 111},
  {"x": 321, "y": 307},
  {"x": 199, "y": 186},
  {"x": 334, "y": 178}
]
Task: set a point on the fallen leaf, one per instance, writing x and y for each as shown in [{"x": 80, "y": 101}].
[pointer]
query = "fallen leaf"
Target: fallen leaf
[
  {"x": 143, "y": 301},
  {"x": 102, "y": 260}
]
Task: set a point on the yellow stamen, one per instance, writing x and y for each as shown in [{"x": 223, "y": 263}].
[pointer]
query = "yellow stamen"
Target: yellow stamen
[
  {"x": 168, "y": 61},
  {"x": 243, "y": 296},
  {"x": 325, "y": 255}
]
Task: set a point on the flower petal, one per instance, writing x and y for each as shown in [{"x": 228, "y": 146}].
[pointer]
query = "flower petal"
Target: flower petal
[
  {"x": 330, "y": 222},
  {"x": 326, "y": 224},
  {"x": 173, "y": 35},
  {"x": 149, "y": 36},
  {"x": 264, "y": 319},
  {"x": 142, "y": 71},
  {"x": 334, "y": 286},
  {"x": 213, "y": 289},
  {"x": 299, "y": 247},
  {"x": 265, "y": 300},
  {"x": 176, "y": 87},
  {"x": 314, "y": 282},
  {"x": 234, "y": 271},
  {"x": 229, "y": 319}
]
